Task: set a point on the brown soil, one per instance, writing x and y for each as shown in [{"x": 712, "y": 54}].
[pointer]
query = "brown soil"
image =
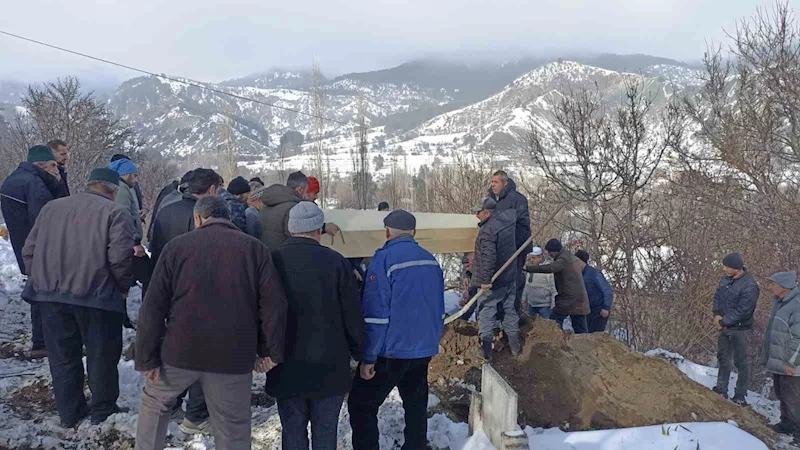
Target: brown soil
[
  {"x": 31, "y": 401},
  {"x": 581, "y": 382},
  {"x": 9, "y": 350}
]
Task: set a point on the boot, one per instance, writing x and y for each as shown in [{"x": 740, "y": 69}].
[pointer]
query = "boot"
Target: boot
[
  {"x": 783, "y": 427},
  {"x": 189, "y": 428},
  {"x": 723, "y": 393},
  {"x": 37, "y": 352},
  {"x": 739, "y": 400},
  {"x": 486, "y": 345}
]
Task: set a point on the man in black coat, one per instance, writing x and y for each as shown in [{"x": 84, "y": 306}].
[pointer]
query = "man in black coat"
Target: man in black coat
[
  {"x": 172, "y": 221},
  {"x": 734, "y": 304},
  {"x": 22, "y": 196},
  {"x": 504, "y": 192},
  {"x": 61, "y": 152},
  {"x": 493, "y": 247},
  {"x": 324, "y": 329},
  {"x": 177, "y": 219},
  {"x": 168, "y": 195}
]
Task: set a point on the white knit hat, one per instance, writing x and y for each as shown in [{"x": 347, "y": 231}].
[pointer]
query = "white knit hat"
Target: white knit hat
[
  {"x": 537, "y": 251},
  {"x": 305, "y": 217}
]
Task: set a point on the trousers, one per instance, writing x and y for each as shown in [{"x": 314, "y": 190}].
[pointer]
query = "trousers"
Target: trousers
[
  {"x": 67, "y": 330},
  {"x": 410, "y": 376},
  {"x": 499, "y": 298},
  {"x": 227, "y": 397},
  {"x": 579, "y": 323},
  {"x": 787, "y": 389},
  {"x": 732, "y": 350},
  {"x": 323, "y": 413},
  {"x": 37, "y": 334},
  {"x": 597, "y": 323}
]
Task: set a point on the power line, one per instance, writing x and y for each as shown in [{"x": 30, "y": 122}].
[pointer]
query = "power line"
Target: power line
[{"x": 186, "y": 81}]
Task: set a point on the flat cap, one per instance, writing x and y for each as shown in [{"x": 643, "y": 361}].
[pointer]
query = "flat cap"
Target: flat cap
[
  {"x": 487, "y": 203},
  {"x": 104, "y": 174},
  {"x": 786, "y": 280},
  {"x": 400, "y": 219}
]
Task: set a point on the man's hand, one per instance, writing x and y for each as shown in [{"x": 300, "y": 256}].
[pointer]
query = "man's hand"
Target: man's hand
[
  {"x": 264, "y": 365},
  {"x": 54, "y": 172},
  {"x": 139, "y": 252},
  {"x": 604, "y": 313},
  {"x": 358, "y": 275},
  {"x": 152, "y": 375},
  {"x": 486, "y": 287},
  {"x": 788, "y": 370},
  {"x": 332, "y": 228},
  {"x": 717, "y": 323},
  {"x": 367, "y": 371}
]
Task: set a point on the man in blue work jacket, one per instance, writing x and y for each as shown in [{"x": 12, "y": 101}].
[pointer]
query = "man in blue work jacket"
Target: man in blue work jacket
[
  {"x": 601, "y": 296},
  {"x": 403, "y": 310}
]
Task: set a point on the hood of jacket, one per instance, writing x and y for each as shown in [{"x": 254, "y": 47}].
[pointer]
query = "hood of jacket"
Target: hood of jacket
[
  {"x": 511, "y": 187},
  {"x": 278, "y": 193},
  {"x": 499, "y": 221}
]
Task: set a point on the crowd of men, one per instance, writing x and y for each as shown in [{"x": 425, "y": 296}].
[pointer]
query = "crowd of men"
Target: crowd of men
[
  {"x": 236, "y": 281},
  {"x": 552, "y": 283}
]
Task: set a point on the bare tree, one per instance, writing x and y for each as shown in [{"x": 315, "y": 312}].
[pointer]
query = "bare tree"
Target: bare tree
[
  {"x": 362, "y": 179},
  {"x": 321, "y": 163},
  {"x": 639, "y": 139},
  {"x": 60, "y": 110},
  {"x": 457, "y": 187},
  {"x": 574, "y": 155},
  {"x": 11, "y": 152},
  {"x": 227, "y": 157}
]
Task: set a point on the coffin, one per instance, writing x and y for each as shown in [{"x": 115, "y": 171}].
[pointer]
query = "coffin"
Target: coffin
[{"x": 363, "y": 232}]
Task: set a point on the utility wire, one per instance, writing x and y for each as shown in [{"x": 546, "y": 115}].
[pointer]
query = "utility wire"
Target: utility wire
[{"x": 186, "y": 81}]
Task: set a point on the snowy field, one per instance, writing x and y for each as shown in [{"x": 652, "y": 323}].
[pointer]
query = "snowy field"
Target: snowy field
[{"x": 29, "y": 421}]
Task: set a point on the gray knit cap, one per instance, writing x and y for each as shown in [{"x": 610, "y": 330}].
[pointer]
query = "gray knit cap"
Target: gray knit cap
[
  {"x": 256, "y": 194},
  {"x": 786, "y": 280},
  {"x": 305, "y": 217}
]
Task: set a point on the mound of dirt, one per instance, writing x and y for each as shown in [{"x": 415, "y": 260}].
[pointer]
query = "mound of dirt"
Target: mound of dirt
[{"x": 581, "y": 382}]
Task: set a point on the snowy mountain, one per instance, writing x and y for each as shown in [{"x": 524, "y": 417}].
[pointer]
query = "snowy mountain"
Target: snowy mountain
[
  {"x": 179, "y": 119},
  {"x": 276, "y": 79},
  {"x": 421, "y": 107},
  {"x": 11, "y": 91},
  {"x": 492, "y": 127},
  {"x": 495, "y": 123}
]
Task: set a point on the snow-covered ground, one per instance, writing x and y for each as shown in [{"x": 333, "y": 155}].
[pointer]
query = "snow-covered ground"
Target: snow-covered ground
[{"x": 22, "y": 426}]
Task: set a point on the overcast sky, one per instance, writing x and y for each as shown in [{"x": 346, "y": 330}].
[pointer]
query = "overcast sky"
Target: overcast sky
[{"x": 213, "y": 40}]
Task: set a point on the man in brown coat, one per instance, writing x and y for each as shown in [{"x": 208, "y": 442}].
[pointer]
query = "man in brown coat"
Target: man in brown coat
[
  {"x": 572, "y": 299},
  {"x": 79, "y": 257},
  {"x": 215, "y": 301}
]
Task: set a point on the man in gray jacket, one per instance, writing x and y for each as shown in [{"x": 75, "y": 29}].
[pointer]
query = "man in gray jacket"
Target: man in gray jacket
[
  {"x": 127, "y": 198},
  {"x": 540, "y": 288},
  {"x": 734, "y": 304},
  {"x": 781, "y": 348},
  {"x": 493, "y": 247},
  {"x": 78, "y": 257}
]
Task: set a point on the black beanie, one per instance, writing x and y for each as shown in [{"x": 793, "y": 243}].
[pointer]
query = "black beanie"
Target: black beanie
[
  {"x": 553, "y": 246},
  {"x": 583, "y": 255},
  {"x": 238, "y": 186},
  {"x": 733, "y": 261}
]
